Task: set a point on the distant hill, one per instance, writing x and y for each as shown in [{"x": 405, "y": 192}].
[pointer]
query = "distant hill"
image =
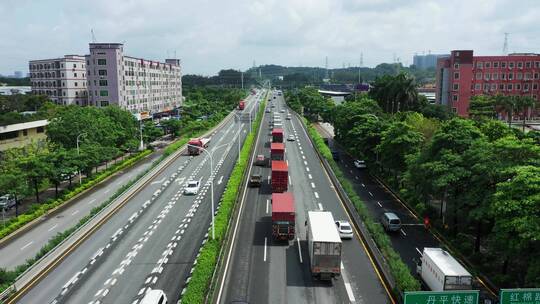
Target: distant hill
[{"x": 8, "y": 81}]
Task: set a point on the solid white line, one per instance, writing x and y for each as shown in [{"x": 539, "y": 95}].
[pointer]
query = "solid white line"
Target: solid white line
[
  {"x": 402, "y": 231},
  {"x": 91, "y": 202},
  {"x": 321, "y": 207},
  {"x": 379, "y": 203},
  {"x": 299, "y": 250},
  {"x": 310, "y": 177},
  {"x": 265, "y": 249},
  {"x": 23, "y": 247},
  {"x": 290, "y": 182},
  {"x": 349, "y": 292},
  {"x": 312, "y": 185},
  {"x": 316, "y": 194},
  {"x": 52, "y": 227},
  {"x": 267, "y": 202},
  {"x": 420, "y": 252},
  {"x": 106, "y": 191}
]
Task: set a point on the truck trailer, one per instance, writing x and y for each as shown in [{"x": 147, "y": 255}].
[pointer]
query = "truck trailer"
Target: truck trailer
[
  {"x": 277, "y": 135},
  {"x": 440, "y": 271},
  {"x": 277, "y": 151},
  {"x": 280, "y": 176},
  {"x": 195, "y": 144},
  {"x": 324, "y": 245},
  {"x": 283, "y": 216}
]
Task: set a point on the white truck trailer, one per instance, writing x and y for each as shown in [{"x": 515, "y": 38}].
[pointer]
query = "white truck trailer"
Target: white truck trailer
[
  {"x": 440, "y": 271},
  {"x": 324, "y": 245}
]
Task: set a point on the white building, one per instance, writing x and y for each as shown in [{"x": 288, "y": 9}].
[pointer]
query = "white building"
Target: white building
[{"x": 63, "y": 80}]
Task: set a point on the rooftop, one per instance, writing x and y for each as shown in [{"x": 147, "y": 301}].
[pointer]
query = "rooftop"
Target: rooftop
[
  {"x": 23, "y": 126},
  {"x": 320, "y": 221},
  {"x": 447, "y": 263}
]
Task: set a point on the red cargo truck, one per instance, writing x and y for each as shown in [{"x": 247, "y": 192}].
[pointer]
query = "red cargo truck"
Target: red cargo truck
[
  {"x": 277, "y": 151},
  {"x": 195, "y": 144},
  {"x": 280, "y": 176},
  {"x": 283, "y": 216},
  {"x": 241, "y": 105},
  {"x": 277, "y": 135}
]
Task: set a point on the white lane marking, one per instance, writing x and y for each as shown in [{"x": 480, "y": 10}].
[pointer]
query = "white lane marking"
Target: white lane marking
[
  {"x": 307, "y": 169},
  {"x": 303, "y": 157},
  {"x": 23, "y": 247},
  {"x": 91, "y": 201},
  {"x": 316, "y": 194},
  {"x": 350, "y": 171},
  {"x": 379, "y": 203},
  {"x": 371, "y": 194},
  {"x": 403, "y": 232},
  {"x": 55, "y": 225},
  {"x": 305, "y": 163},
  {"x": 363, "y": 185},
  {"x": 299, "y": 250},
  {"x": 348, "y": 288},
  {"x": 321, "y": 207},
  {"x": 290, "y": 181},
  {"x": 267, "y": 203},
  {"x": 356, "y": 177},
  {"x": 158, "y": 181},
  {"x": 265, "y": 239},
  {"x": 312, "y": 185},
  {"x": 106, "y": 191},
  {"x": 310, "y": 177},
  {"x": 287, "y": 161},
  {"x": 220, "y": 180},
  {"x": 420, "y": 252},
  {"x": 75, "y": 212}
]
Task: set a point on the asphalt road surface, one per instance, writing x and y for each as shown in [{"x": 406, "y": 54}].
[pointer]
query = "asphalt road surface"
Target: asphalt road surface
[
  {"x": 261, "y": 270},
  {"x": 153, "y": 240}
]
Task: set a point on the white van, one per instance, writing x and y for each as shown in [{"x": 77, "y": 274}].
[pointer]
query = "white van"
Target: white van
[{"x": 154, "y": 296}]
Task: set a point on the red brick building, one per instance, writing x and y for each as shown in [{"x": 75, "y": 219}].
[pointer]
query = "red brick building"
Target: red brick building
[{"x": 462, "y": 75}]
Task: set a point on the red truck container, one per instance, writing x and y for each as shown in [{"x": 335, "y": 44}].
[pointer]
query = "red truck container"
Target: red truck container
[
  {"x": 280, "y": 176},
  {"x": 277, "y": 135},
  {"x": 277, "y": 151},
  {"x": 283, "y": 216},
  {"x": 195, "y": 143},
  {"x": 241, "y": 105}
]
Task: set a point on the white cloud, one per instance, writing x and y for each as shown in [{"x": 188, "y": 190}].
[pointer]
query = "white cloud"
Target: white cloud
[{"x": 209, "y": 35}]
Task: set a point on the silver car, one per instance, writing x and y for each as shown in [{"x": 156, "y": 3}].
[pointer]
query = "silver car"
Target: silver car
[{"x": 7, "y": 202}]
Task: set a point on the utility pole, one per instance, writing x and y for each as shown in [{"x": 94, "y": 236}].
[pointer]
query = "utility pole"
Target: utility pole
[
  {"x": 242, "y": 77},
  {"x": 326, "y": 66}
]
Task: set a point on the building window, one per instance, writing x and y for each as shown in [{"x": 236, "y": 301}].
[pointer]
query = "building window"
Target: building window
[
  {"x": 537, "y": 64},
  {"x": 456, "y": 86},
  {"x": 495, "y": 76},
  {"x": 486, "y": 87},
  {"x": 519, "y": 76},
  {"x": 536, "y": 75},
  {"x": 102, "y": 61},
  {"x": 525, "y": 87},
  {"x": 104, "y": 103},
  {"x": 454, "y": 110},
  {"x": 518, "y": 86},
  {"x": 520, "y": 64},
  {"x": 103, "y": 83},
  {"x": 103, "y": 93},
  {"x": 535, "y": 86},
  {"x": 76, "y": 83},
  {"x": 510, "y": 87},
  {"x": 456, "y": 65},
  {"x": 62, "y": 74},
  {"x": 456, "y": 75},
  {"x": 479, "y": 75},
  {"x": 487, "y": 76},
  {"x": 102, "y": 72},
  {"x": 479, "y": 65},
  {"x": 25, "y": 132},
  {"x": 503, "y": 76},
  {"x": 9, "y": 135},
  {"x": 454, "y": 97},
  {"x": 75, "y": 75},
  {"x": 495, "y": 64},
  {"x": 510, "y": 76},
  {"x": 493, "y": 86},
  {"x": 40, "y": 129},
  {"x": 511, "y": 65},
  {"x": 477, "y": 87},
  {"x": 528, "y": 64},
  {"x": 488, "y": 64},
  {"x": 501, "y": 87}
]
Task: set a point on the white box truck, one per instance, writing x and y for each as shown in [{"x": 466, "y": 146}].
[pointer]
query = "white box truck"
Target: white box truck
[
  {"x": 440, "y": 271},
  {"x": 324, "y": 245}
]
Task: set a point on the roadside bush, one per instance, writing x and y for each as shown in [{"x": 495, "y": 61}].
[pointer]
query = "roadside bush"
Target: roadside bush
[{"x": 403, "y": 277}]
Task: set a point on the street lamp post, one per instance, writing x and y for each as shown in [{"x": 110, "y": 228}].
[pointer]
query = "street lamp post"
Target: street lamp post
[
  {"x": 211, "y": 181},
  {"x": 78, "y": 153}
]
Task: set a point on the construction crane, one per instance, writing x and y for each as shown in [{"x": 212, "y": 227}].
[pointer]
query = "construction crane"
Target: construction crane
[{"x": 93, "y": 36}]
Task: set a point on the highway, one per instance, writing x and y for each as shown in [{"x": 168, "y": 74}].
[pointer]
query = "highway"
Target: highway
[
  {"x": 259, "y": 270},
  {"x": 153, "y": 240},
  {"x": 26, "y": 245}
]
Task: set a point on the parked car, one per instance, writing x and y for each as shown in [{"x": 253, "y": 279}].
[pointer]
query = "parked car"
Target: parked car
[
  {"x": 7, "y": 202},
  {"x": 360, "y": 164},
  {"x": 390, "y": 221},
  {"x": 192, "y": 187},
  {"x": 291, "y": 138},
  {"x": 344, "y": 229}
]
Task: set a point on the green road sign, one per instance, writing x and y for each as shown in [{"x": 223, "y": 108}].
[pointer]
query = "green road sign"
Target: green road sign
[
  {"x": 442, "y": 297},
  {"x": 520, "y": 296}
]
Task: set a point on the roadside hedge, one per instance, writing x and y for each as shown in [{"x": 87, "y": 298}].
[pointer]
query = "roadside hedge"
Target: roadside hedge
[
  {"x": 198, "y": 287},
  {"x": 38, "y": 210},
  {"x": 401, "y": 273}
]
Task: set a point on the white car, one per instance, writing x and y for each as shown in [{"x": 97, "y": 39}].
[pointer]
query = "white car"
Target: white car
[
  {"x": 192, "y": 187},
  {"x": 282, "y": 111},
  {"x": 360, "y": 164},
  {"x": 344, "y": 229},
  {"x": 291, "y": 138}
]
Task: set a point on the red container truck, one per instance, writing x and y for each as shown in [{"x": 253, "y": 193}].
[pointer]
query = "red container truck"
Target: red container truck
[
  {"x": 280, "y": 176},
  {"x": 277, "y": 135},
  {"x": 283, "y": 216},
  {"x": 277, "y": 151},
  {"x": 195, "y": 144},
  {"x": 241, "y": 105}
]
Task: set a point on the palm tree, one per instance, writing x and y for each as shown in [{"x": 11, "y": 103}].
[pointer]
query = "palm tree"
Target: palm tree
[
  {"x": 508, "y": 104},
  {"x": 523, "y": 103}
]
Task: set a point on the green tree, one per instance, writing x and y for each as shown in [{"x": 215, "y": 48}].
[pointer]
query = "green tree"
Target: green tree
[
  {"x": 172, "y": 126},
  {"x": 151, "y": 132},
  {"x": 482, "y": 107}
]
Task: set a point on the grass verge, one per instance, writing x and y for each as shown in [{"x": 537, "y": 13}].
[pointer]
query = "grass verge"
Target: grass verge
[
  {"x": 401, "y": 273},
  {"x": 197, "y": 289}
]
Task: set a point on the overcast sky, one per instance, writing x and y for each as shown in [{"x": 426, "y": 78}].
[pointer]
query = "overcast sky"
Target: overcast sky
[{"x": 212, "y": 35}]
